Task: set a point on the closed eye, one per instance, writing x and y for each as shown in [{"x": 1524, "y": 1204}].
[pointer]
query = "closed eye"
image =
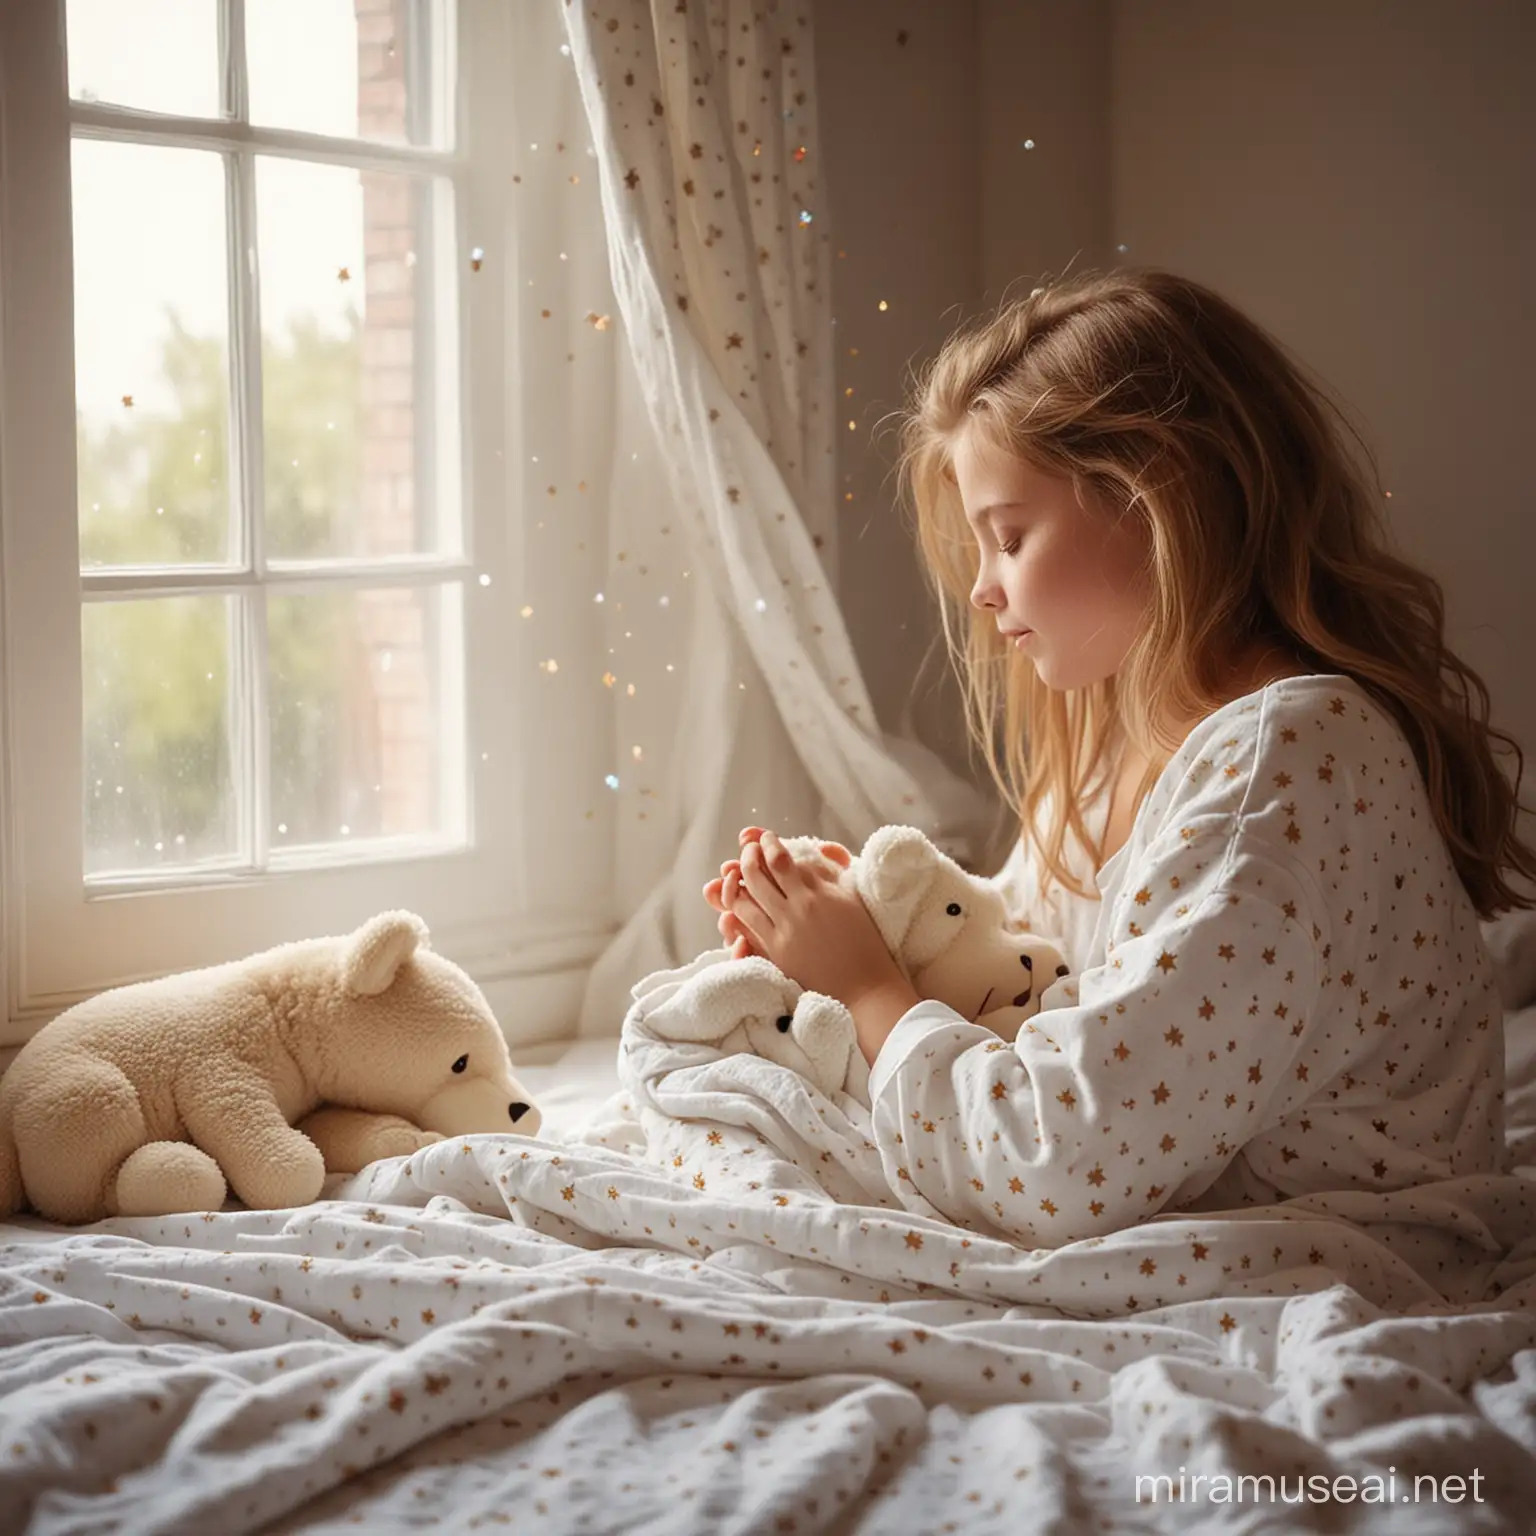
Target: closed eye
[{"x": 1008, "y": 549}]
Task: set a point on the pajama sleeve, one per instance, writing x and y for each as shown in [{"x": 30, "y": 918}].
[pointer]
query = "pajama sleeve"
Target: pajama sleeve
[{"x": 1201, "y": 1029}]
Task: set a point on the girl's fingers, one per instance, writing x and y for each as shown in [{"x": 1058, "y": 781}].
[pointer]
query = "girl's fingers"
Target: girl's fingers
[
  {"x": 747, "y": 911},
  {"x": 758, "y": 879},
  {"x": 734, "y": 936},
  {"x": 714, "y": 889},
  {"x": 772, "y": 848}
]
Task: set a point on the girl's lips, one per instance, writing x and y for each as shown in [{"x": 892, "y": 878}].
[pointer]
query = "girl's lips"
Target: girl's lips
[{"x": 1027, "y": 634}]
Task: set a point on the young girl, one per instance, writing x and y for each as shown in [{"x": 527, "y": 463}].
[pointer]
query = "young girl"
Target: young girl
[{"x": 1183, "y": 620}]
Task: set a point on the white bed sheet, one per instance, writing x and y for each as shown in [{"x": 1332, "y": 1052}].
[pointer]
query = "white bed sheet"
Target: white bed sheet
[
  {"x": 389, "y": 1366},
  {"x": 570, "y": 1080}
]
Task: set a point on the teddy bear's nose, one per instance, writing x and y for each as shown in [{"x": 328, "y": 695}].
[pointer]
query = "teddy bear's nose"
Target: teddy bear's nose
[
  {"x": 1062, "y": 970},
  {"x": 517, "y": 1111}
]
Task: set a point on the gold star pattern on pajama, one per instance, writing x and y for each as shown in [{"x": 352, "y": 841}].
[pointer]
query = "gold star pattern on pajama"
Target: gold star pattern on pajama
[{"x": 1287, "y": 991}]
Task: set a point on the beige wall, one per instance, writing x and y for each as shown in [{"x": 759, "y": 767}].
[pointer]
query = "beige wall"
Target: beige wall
[
  {"x": 898, "y": 126},
  {"x": 1359, "y": 176}
]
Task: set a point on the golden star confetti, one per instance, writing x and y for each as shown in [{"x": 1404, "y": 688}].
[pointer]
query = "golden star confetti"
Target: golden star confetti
[
  {"x": 343, "y": 274},
  {"x": 128, "y": 401},
  {"x": 476, "y": 258},
  {"x": 598, "y": 322},
  {"x": 800, "y": 153}
]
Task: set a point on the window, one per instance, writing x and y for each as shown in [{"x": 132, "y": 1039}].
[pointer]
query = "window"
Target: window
[{"x": 246, "y": 574}]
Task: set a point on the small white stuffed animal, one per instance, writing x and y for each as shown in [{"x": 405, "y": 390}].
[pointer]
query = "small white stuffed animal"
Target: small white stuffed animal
[{"x": 752, "y": 1006}]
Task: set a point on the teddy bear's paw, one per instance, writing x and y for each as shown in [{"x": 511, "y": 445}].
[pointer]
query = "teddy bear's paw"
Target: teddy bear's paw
[
  {"x": 163, "y": 1178},
  {"x": 281, "y": 1173},
  {"x": 399, "y": 1140}
]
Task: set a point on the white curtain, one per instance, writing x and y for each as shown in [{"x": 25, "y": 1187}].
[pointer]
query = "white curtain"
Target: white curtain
[{"x": 670, "y": 328}]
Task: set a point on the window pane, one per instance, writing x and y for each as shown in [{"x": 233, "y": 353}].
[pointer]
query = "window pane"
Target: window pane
[
  {"x": 343, "y": 67},
  {"x": 158, "y": 785},
  {"x": 158, "y": 55},
  {"x": 151, "y": 354},
  {"x": 346, "y": 329},
  {"x": 357, "y": 713}
]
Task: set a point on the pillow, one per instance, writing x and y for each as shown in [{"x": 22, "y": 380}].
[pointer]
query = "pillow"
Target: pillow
[{"x": 1511, "y": 940}]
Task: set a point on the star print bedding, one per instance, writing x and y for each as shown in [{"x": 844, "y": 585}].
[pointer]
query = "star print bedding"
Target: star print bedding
[{"x": 575, "y": 1334}]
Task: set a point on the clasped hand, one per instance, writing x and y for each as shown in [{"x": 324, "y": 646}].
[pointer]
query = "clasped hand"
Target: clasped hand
[{"x": 801, "y": 918}]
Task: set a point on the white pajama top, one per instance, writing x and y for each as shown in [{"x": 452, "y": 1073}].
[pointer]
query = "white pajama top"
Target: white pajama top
[{"x": 1287, "y": 990}]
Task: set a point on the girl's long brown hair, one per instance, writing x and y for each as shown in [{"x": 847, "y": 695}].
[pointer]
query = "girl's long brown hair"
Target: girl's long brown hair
[{"x": 1160, "y": 400}]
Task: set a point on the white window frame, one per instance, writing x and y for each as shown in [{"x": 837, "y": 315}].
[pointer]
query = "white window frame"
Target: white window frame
[{"x": 65, "y": 939}]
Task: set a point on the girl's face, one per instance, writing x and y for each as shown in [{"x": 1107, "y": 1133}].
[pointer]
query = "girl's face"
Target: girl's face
[{"x": 1069, "y": 574}]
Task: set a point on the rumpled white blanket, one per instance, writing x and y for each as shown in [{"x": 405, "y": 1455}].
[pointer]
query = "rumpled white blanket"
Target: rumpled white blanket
[{"x": 708, "y": 1311}]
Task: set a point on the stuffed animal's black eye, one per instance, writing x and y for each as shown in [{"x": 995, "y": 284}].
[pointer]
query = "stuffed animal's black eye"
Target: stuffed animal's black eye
[
  {"x": 1029, "y": 963},
  {"x": 1061, "y": 970},
  {"x": 461, "y": 1063},
  {"x": 953, "y": 909},
  {"x": 783, "y": 1021}
]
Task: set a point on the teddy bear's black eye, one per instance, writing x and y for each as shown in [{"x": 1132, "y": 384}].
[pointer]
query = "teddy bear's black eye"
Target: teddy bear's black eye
[
  {"x": 783, "y": 1021},
  {"x": 1061, "y": 970},
  {"x": 1029, "y": 963},
  {"x": 953, "y": 909},
  {"x": 461, "y": 1063}
]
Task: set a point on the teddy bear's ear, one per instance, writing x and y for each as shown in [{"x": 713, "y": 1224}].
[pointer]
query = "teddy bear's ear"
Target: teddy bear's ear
[
  {"x": 378, "y": 949},
  {"x": 899, "y": 865},
  {"x": 714, "y": 1002}
]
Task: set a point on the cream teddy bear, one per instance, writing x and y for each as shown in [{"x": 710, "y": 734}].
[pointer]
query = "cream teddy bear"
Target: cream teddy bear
[{"x": 311, "y": 1058}]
